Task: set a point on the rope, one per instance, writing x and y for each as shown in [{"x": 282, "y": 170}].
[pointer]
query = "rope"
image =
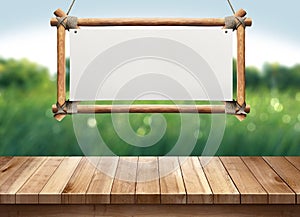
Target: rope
[
  {"x": 234, "y": 22},
  {"x": 71, "y": 6},
  {"x": 68, "y": 22},
  {"x": 231, "y": 6}
]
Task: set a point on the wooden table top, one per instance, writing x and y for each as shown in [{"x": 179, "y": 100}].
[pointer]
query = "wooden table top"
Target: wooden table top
[{"x": 154, "y": 180}]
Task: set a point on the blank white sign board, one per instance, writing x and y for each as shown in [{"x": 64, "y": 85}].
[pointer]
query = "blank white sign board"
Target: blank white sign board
[{"x": 151, "y": 63}]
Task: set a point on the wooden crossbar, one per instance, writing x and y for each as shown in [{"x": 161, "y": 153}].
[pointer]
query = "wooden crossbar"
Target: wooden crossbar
[
  {"x": 204, "y": 109},
  {"x": 151, "y": 22}
]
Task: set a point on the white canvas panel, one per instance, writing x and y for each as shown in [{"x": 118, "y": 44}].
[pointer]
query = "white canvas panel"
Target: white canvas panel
[{"x": 151, "y": 63}]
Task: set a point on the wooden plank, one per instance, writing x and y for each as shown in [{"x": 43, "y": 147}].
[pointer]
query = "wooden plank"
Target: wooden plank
[
  {"x": 123, "y": 190},
  {"x": 29, "y": 192},
  {"x": 197, "y": 188},
  {"x": 147, "y": 186},
  {"x": 51, "y": 193},
  {"x": 288, "y": 172},
  {"x": 8, "y": 169},
  {"x": 220, "y": 182},
  {"x": 102, "y": 181},
  {"x": 171, "y": 182},
  {"x": 250, "y": 189},
  {"x": 10, "y": 187},
  {"x": 75, "y": 190},
  {"x": 295, "y": 161},
  {"x": 4, "y": 160},
  {"x": 277, "y": 189}
]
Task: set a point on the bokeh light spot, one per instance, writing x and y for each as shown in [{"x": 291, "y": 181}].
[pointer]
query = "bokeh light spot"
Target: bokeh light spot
[
  {"x": 147, "y": 120},
  {"x": 278, "y": 107},
  {"x": 251, "y": 127},
  {"x": 286, "y": 119},
  {"x": 92, "y": 122},
  {"x": 141, "y": 131}
]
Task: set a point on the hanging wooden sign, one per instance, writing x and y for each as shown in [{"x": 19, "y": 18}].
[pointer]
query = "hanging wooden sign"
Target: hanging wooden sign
[{"x": 155, "y": 51}]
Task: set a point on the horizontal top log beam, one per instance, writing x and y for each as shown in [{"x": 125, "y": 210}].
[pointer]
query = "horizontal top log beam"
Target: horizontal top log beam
[{"x": 151, "y": 22}]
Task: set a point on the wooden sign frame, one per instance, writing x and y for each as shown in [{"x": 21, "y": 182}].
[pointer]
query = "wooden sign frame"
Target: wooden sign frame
[{"x": 64, "y": 107}]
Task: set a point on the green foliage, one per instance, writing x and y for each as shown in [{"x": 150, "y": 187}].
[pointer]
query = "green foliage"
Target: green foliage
[
  {"x": 281, "y": 77},
  {"x": 27, "y": 126},
  {"x": 23, "y": 75}
]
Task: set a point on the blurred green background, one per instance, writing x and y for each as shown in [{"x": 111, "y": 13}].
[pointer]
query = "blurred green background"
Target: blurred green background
[{"x": 27, "y": 126}]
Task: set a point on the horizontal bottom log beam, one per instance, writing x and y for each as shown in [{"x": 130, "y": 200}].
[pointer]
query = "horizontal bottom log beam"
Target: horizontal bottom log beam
[{"x": 100, "y": 109}]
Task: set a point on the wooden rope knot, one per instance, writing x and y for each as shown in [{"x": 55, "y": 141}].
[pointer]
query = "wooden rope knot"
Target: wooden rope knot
[
  {"x": 233, "y": 108},
  {"x": 61, "y": 110},
  {"x": 67, "y": 108},
  {"x": 241, "y": 109},
  {"x": 68, "y": 22},
  {"x": 233, "y": 22}
]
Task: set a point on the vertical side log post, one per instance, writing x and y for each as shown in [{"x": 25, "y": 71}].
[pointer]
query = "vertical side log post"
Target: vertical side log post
[
  {"x": 241, "y": 78},
  {"x": 241, "y": 75},
  {"x": 61, "y": 64}
]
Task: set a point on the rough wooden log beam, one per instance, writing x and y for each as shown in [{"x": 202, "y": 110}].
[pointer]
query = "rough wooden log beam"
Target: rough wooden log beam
[
  {"x": 205, "y": 109},
  {"x": 151, "y": 22}
]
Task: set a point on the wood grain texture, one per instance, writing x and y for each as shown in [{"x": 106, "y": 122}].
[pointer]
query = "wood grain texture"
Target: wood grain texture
[
  {"x": 151, "y": 22},
  {"x": 198, "y": 211},
  {"x": 288, "y": 172},
  {"x": 295, "y": 161},
  {"x": 149, "y": 210},
  {"x": 150, "y": 180},
  {"x": 147, "y": 185},
  {"x": 220, "y": 182},
  {"x": 123, "y": 189},
  {"x": 9, "y": 168},
  {"x": 277, "y": 189},
  {"x": 4, "y": 160},
  {"x": 197, "y": 188},
  {"x": 75, "y": 190},
  {"x": 61, "y": 61},
  {"x": 47, "y": 211},
  {"x": 250, "y": 189},
  {"x": 51, "y": 193},
  {"x": 102, "y": 181},
  {"x": 240, "y": 13},
  {"x": 29, "y": 192},
  {"x": 205, "y": 109},
  {"x": 10, "y": 187},
  {"x": 171, "y": 182},
  {"x": 241, "y": 65}
]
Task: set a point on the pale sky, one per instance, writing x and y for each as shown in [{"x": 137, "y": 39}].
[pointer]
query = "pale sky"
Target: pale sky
[{"x": 274, "y": 37}]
